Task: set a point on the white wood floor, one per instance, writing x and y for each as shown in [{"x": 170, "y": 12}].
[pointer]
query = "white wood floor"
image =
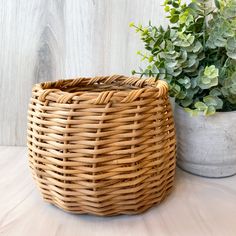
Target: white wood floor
[{"x": 197, "y": 207}]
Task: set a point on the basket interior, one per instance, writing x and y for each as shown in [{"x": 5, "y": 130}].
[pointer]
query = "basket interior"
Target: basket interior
[{"x": 99, "y": 88}]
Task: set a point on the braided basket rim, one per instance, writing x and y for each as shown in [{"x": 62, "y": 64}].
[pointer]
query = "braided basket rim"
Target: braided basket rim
[{"x": 53, "y": 90}]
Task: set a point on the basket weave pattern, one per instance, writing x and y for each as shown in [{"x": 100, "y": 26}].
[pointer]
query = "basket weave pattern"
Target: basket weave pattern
[{"x": 103, "y": 145}]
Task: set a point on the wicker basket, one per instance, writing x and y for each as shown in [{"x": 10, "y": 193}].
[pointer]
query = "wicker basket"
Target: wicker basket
[{"x": 103, "y": 145}]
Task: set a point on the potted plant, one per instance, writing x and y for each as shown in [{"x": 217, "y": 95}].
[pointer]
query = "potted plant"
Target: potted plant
[{"x": 196, "y": 55}]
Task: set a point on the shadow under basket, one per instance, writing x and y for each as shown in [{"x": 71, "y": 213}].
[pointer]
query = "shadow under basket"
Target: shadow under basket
[{"x": 102, "y": 145}]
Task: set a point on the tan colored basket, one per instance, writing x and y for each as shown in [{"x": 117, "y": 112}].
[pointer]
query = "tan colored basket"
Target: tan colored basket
[{"x": 103, "y": 145}]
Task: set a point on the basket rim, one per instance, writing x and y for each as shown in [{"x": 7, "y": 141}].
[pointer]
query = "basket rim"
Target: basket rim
[{"x": 49, "y": 89}]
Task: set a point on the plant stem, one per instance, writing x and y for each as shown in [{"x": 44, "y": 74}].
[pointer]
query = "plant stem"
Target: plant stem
[{"x": 204, "y": 27}]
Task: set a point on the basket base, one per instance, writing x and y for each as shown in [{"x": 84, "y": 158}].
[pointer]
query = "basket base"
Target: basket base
[{"x": 112, "y": 212}]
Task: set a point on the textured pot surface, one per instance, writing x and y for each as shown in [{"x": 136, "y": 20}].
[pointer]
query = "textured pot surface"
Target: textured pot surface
[
  {"x": 172, "y": 102},
  {"x": 206, "y": 145}
]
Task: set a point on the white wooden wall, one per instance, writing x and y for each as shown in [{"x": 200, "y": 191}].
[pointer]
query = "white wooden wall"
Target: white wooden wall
[{"x": 44, "y": 40}]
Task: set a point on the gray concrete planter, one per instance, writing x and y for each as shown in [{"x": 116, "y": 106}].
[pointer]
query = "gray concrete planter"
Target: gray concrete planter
[
  {"x": 206, "y": 146},
  {"x": 172, "y": 102}
]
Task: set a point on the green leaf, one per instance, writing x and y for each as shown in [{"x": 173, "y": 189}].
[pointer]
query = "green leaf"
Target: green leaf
[
  {"x": 167, "y": 8},
  {"x": 219, "y": 41},
  {"x": 131, "y": 24},
  {"x": 233, "y": 89},
  {"x": 194, "y": 6},
  {"x": 175, "y": 88},
  {"x": 175, "y": 3},
  {"x": 200, "y": 106},
  {"x": 184, "y": 40},
  {"x": 185, "y": 18},
  {"x": 215, "y": 92},
  {"x": 184, "y": 80},
  {"x": 186, "y": 102},
  {"x": 174, "y": 18},
  {"x": 233, "y": 77},
  {"x": 155, "y": 70},
  {"x": 181, "y": 95},
  {"x": 210, "y": 43},
  {"x": 150, "y": 59},
  {"x": 162, "y": 73},
  {"x": 191, "y": 112},
  {"x": 205, "y": 80},
  {"x": 232, "y": 100},
  {"x": 211, "y": 72},
  {"x": 231, "y": 47},
  {"x": 206, "y": 83},
  {"x": 177, "y": 72},
  {"x": 232, "y": 54},
  {"x": 210, "y": 100},
  {"x": 210, "y": 111},
  {"x": 183, "y": 56},
  {"x": 197, "y": 47},
  {"x": 190, "y": 62},
  {"x": 213, "y": 101},
  {"x": 171, "y": 63},
  {"x": 217, "y": 3},
  {"x": 229, "y": 11},
  {"x": 231, "y": 44}
]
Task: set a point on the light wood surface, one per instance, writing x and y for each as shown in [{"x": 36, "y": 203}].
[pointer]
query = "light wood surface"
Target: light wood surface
[
  {"x": 44, "y": 40},
  {"x": 197, "y": 207}
]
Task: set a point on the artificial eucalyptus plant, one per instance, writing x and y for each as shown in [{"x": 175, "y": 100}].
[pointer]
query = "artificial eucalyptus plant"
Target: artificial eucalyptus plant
[{"x": 195, "y": 54}]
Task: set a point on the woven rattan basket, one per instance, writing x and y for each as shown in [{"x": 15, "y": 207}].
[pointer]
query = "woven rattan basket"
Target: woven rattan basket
[{"x": 103, "y": 145}]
